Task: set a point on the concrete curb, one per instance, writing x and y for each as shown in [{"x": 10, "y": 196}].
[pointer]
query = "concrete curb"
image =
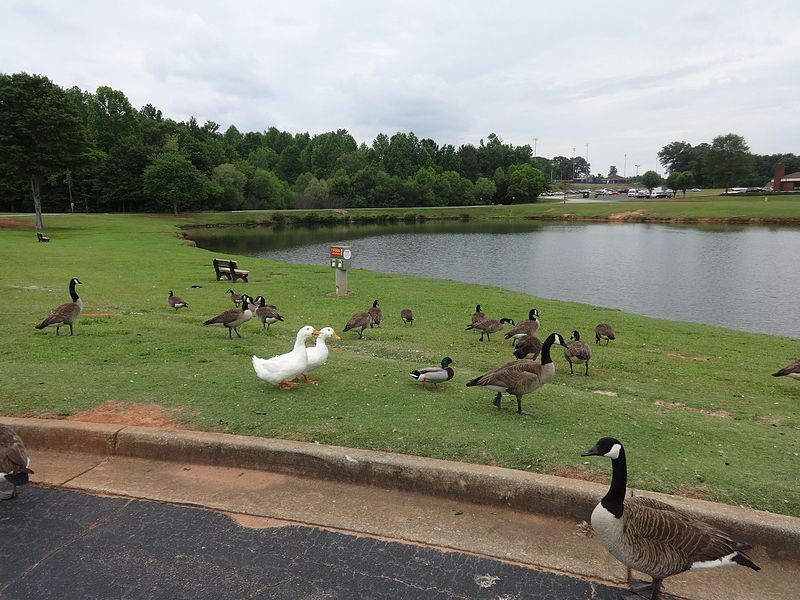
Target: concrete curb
[{"x": 543, "y": 494}]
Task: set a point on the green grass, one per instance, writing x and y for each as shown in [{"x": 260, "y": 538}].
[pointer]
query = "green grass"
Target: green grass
[{"x": 719, "y": 427}]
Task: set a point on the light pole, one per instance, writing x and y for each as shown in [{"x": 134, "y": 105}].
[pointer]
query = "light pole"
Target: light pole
[
  {"x": 534, "y": 146},
  {"x": 625, "y": 168},
  {"x": 573, "y": 164},
  {"x": 637, "y": 170},
  {"x": 587, "y": 156}
]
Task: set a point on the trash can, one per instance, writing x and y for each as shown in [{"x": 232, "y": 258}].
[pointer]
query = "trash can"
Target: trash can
[{"x": 585, "y": 194}]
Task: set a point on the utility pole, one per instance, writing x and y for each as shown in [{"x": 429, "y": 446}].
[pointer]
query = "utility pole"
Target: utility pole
[
  {"x": 625, "y": 168},
  {"x": 637, "y": 170},
  {"x": 534, "y": 146},
  {"x": 573, "y": 164}
]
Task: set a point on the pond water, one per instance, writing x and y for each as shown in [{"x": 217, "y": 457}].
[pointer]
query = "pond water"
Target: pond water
[{"x": 741, "y": 277}]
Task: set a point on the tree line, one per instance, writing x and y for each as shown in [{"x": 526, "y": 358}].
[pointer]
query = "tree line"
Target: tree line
[{"x": 94, "y": 152}]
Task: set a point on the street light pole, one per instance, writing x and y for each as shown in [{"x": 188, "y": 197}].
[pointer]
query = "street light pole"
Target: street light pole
[
  {"x": 573, "y": 164},
  {"x": 534, "y": 146},
  {"x": 637, "y": 169},
  {"x": 625, "y": 168}
]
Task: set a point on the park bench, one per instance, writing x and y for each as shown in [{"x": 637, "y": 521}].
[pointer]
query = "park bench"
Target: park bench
[
  {"x": 229, "y": 269},
  {"x": 42, "y": 238}
]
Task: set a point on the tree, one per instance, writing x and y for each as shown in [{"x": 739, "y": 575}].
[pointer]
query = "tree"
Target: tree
[
  {"x": 525, "y": 183},
  {"x": 651, "y": 179},
  {"x": 729, "y": 161},
  {"x": 172, "y": 181},
  {"x": 484, "y": 190},
  {"x": 41, "y": 132},
  {"x": 266, "y": 190},
  {"x": 683, "y": 181},
  {"x": 232, "y": 181}
]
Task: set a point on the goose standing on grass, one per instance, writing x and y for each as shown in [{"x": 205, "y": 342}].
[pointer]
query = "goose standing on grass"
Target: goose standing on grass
[
  {"x": 435, "y": 375},
  {"x": 318, "y": 353},
  {"x": 65, "y": 314},
  {"x": 358, "y": 323},
  {"x": 266, "y": 313},
  {"x": 376, "y": 314},
  {"x": 280, "y": 369},
  {"x": 654, "y": 537},
  {"x": 527, "y": 327},
  {"x": 233, "y": 317},
  {"x": 176, "y": 302},
  {"x": 791, "y": 370},
  {"x": 478, "y": 315},
  {"x": 14, "y": 461},
  {"x": 520, "y": 377},
  {"x": 488, "y": 326},
  {"x": 528, "y": 346},
  {"x": 577, "y": 352},
  {"x": 235, "y": 298},
  {"x": 407, "y": 316},
  {"x": 603, "y": 331}
]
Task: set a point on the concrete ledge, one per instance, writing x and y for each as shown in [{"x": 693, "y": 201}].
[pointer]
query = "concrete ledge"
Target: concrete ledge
[{"x": 543, "y": 494}]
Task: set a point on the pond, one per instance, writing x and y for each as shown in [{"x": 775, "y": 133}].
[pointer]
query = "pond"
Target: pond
[{"x": 741, "y": 277}]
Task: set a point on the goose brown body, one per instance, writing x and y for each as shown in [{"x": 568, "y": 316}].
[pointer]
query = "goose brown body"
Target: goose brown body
[
  {"x": 375, "y": 314},
  {"x": 266, "y": 313},
  {"x": 577, "y": 352},
  {"x": 14, "y": 461},
  {"x": 233, "y": 318},
  {"x": 654, "y": 537},
  {"x": 478, "y": 315},
  {"x": 176, "y": 302},
  {"x": 791, "y": 370},
  {"x": 488, "y": 326},
  {"x": 358, "y": 322},
  {"x": 528, "y": 346},
  {"x": 603, "y": 331},
  {"x": 407, "y": 316},
  {"x": 527, "y": 327},
  {"x": 64, "y": 314}
]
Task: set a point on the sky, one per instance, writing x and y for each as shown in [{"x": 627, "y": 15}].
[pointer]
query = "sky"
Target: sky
[{"x": 613, "y": 81}]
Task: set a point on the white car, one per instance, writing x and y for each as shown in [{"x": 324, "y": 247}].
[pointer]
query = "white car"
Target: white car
[{"x": 631, "y": 193}]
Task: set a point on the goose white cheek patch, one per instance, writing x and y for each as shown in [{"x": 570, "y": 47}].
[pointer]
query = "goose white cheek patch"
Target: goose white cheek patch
[{"x": 614, "y": 452}]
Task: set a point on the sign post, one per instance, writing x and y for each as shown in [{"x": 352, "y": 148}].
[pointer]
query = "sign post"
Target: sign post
[{"x": 341, "y": 257}]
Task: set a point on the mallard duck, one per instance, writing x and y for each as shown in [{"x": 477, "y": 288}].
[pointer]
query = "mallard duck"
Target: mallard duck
[
  {"x": 527, "y": 327},
  {"x": 358, "y": 323},
  {"x": 407, "y": 316},
  {"x": 478, "y": 315},
  {"x": 436, "y": 374},
  {"x": 14, "y": 461},
  {"x": 488, "y": 326},
  {"x": 520, "y": 377},
  {"x": 266, "y": 313},
  {"x": 376, "y": 314},
  {"x": 176, "y": 302},
  {"x": 791, "y": 370},
  {"x": 577, "y": 352},
  {"x": 235, "y": 298},
  {"x": 318, "y": 353},
  {"x": 280, "y": 369},
  {"x": 233, "y": 317},
  {"x": 603, "y": 331},
  {"x": 528, "y": 346},
  {"x": 654, "y": 537},
  {"x": 65, "y": 314}
]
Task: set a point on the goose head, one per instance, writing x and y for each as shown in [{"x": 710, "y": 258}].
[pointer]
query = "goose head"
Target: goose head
[
  {"x": 608, "y": 446},
  {"x": 328, "y": 332},
  {"x": 575, "y": 335},
  {"x": 533, "y": 314},
  {"x": 554, "y": 338},
  {"x": 307, "y": 332}
]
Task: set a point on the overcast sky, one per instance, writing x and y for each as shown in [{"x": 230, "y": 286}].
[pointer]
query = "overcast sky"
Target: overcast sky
[{"x": 626, "y": 78}]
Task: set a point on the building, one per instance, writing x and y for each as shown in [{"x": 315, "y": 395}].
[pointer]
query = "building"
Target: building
[
  {"x": 614, "y": 178},
  {"x": 781, "y": 182}
]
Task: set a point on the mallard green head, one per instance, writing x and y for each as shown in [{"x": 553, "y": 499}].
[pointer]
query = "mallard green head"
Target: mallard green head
[{"x": 446, "y": 362}]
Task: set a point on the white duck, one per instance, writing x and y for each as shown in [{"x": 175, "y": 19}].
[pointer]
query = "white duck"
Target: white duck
[
  {"x": 279, "y": 369},
  {"x": 318, "y": 354}
]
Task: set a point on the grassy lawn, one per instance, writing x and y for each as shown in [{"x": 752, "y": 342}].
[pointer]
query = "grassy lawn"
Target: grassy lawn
[{"x": 695, "y": 405}]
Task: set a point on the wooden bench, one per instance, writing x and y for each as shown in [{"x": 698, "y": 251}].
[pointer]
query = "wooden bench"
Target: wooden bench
[
  {"x": 228, "y": 269},
  {"x": 42, "y": 238}
]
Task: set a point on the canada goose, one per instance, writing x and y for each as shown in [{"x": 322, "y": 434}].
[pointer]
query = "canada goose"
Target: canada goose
[
  {"x": 520, "y": 377},
  {"x": 235, "y": 298},
  {"x": 279, "y": 369},
  {"x": 176, "y": 302},
  {"x": 358, "y": 323},
  {"x": 488, "y": 326},
  {"x": 577, "y": 352},
  {"x": 318, "y": 354},
  {"x": 791, "y": 370},
  {"x": 478, "y": 315},
  {"x": 233, "y": 317},
  {"x": 65, "y": 314},
  {"x": 527, "y": 327},
  {"x": 14, "y": 461},
  {"x": 603, "y": 331},
  {"x": 407, "y": 316},
  {"x": 376, "y": 314},
  {"x": 435, "y": 374},
  {"x": 266, "y": 313},
  {"x": 528, "y": 346},
  {"x": 655, "y": 537}
]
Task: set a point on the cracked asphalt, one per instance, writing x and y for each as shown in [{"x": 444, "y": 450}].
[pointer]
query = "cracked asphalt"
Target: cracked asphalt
[{"x": 64, "y": 544}]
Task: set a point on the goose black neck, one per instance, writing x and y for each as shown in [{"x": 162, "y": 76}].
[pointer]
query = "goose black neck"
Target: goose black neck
[
  {"x": 546, "y": 350},
  {"x": 613, "y": 501},
  {"x": 72, "y": 291}
]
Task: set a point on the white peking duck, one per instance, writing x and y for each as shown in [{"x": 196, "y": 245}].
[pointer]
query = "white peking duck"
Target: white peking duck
[
  {"x": 279, "y": 369},
  {"x": 318, "y": 353}
]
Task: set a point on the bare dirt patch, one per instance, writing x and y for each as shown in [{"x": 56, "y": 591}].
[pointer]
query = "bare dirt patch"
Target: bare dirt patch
[
  {"x": 770, "y": 420},
  {"x": 10, "y": 223},
  {"x": 698, "y": 492},
  {"x": 121, "y": 413},
  {"x": 579, "y": 473},
  {"x": 700, "y": 411},
  {"x": 628, "y": 214},
  {"x": 682, "y": 357}
]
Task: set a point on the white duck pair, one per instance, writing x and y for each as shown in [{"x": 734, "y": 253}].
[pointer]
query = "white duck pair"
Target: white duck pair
[{"x": 281, "y": 369}]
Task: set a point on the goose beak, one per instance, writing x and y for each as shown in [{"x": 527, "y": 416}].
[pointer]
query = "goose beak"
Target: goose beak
[
  {"x": 315, "y": 333},
  {"x": 593, "y": 451},
  {"x": 336, "y": 337}
]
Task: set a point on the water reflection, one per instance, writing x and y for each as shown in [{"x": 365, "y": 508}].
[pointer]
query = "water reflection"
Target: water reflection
[{"x": 739, "y": 277}]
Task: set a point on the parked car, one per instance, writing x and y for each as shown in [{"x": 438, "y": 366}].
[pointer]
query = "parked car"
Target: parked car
[
  {"x": 632, "y": 193},
  {"x": 695, "y": 190},
  {"x": 661, "y": 194},
  {"x": 642, "y": 194}
]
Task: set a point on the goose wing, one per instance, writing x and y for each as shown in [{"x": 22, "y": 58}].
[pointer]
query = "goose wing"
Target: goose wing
[
  {"x": 64, "y": 313},
  {"x": 790, "y": 369},
  {"x": 13, "y": 457},
  {"x": 511, "y": 375},
  {"x": 360, "y": 319}
]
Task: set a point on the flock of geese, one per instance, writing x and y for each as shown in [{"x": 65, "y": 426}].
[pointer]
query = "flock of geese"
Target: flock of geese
[{"x": 645, "y": 534}]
